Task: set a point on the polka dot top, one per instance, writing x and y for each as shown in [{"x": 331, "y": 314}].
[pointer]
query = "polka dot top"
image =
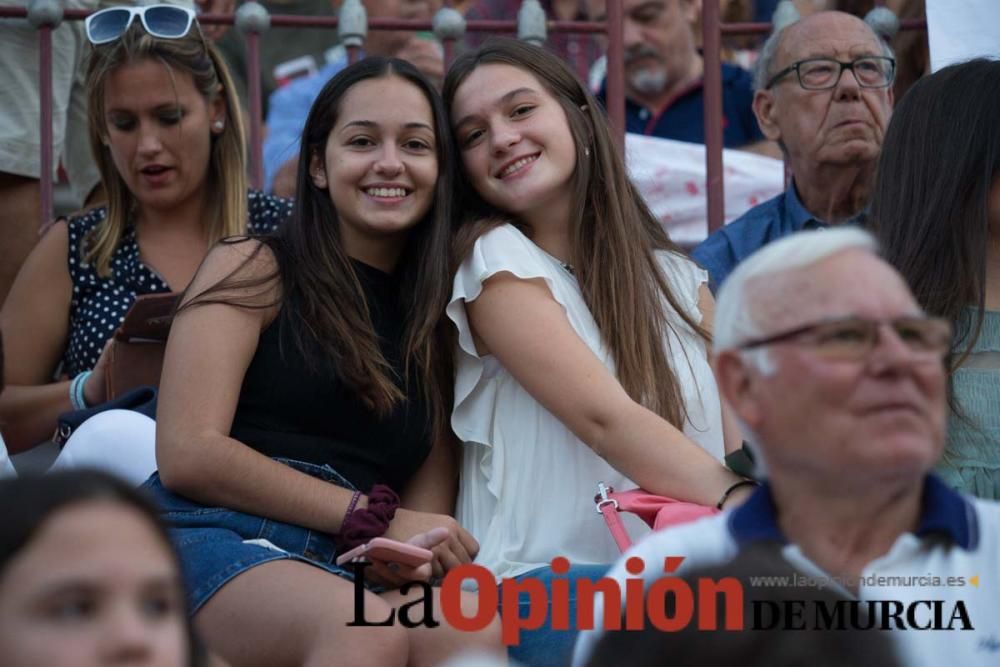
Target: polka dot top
[{"x": 99, "y": 304}]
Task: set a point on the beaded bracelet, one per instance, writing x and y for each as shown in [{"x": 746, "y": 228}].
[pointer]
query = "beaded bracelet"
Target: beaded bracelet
[
  {"x": 350, "y": 507},
  {"x": 76, "y": 395}
]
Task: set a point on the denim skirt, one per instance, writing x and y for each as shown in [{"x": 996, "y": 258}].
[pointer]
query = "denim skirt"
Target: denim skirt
[{"x": 216, "y": 543}]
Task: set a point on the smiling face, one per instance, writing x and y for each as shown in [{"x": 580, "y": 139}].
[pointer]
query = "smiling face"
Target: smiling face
[
  {"x": 95, "y": 586},
  {"x": 516, "y": 144},
  {"x": 379, "y": 165},
  {"x": 158, "y": 130},
  {"x": 882, "y": 415},
  {"x": 841, "y": 126}
]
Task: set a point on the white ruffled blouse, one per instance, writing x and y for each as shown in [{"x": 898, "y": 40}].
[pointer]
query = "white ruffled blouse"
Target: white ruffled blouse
[{"x": 527, "y": 483}]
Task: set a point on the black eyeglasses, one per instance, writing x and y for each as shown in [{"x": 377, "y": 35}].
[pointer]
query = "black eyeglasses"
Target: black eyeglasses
[
  {"x": 853, "y": 338},
  {"x": 825, "y": 73},
  {"x": 163, "y": 21}
]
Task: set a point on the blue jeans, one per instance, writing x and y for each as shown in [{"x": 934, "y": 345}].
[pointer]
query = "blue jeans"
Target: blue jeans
[
  {"x": 216, "y": 544},
  {"x": 546, "y": 647}
]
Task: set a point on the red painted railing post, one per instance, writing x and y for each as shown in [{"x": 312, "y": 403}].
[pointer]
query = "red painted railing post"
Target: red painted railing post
[
  {"x": 45, "y": 15},
  {"x": 45, "y": 130},
  {"x": 255, "y": 94},
  {"x": 252, "y": 19},
  {"x": 711, "y": 42},
  {"x": 616, "y": 70}
]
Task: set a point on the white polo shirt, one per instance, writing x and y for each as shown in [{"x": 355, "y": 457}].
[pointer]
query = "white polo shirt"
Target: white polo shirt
[{"x": 953, "y": 557}]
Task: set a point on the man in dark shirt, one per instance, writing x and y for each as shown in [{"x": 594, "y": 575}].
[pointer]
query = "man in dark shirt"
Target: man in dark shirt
[
  {"x": 664, "y": 89},
  {"x": 829, "y": 124}
]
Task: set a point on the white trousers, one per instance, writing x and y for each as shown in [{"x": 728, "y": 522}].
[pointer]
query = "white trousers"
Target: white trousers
[{"x": 120, "y": 442}]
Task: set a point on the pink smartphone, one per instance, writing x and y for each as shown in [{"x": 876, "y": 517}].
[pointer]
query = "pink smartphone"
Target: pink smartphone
[{"x": 389, "y": 551}]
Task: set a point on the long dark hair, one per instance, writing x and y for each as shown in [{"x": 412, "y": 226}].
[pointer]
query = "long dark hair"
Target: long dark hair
[
  {"x": 326, "y": 306},
  {"x": 28, "y": 502},
  {"x": 613, "y": 234},
  {"x": 930, "y": 211}
]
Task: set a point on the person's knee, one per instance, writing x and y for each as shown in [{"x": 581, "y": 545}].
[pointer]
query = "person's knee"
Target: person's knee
[
  {"x": 487, "y": 638},
  {"x": 121, "y": 442},
  {"x": 490, "y": 637},
  {"x": 362, "y": 645}
]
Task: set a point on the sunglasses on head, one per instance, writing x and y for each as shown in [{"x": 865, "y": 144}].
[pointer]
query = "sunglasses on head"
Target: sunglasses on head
[{"x": 163, "y": 21}]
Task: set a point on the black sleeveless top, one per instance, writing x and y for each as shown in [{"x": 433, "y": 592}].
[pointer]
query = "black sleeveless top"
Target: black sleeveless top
[{"x": 290, "y": 408}]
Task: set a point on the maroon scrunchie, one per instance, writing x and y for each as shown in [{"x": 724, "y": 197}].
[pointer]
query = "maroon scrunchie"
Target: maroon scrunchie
[{"x": 361, "y": 525}]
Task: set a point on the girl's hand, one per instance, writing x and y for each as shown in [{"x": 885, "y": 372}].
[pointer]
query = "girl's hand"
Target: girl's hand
[
  {"x": 393, "y": 574},
  {"x": 457, "y": 548}
]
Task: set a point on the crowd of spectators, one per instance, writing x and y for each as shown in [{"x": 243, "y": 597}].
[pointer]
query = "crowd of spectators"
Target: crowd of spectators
[{"x": 451, "y": 318}]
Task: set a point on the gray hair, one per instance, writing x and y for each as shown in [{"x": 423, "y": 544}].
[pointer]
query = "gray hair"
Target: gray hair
[
  {"x": 734, "y": 318},
  {"x": 784, "y": 16}
]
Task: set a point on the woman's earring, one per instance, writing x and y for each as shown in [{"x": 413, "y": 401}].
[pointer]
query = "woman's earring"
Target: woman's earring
[
  {"x": 218, "y": 126},
  {"x": 586, "y": 151}
]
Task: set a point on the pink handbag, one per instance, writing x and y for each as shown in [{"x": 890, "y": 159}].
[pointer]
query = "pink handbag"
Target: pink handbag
[{"x": 657, "y": 511}]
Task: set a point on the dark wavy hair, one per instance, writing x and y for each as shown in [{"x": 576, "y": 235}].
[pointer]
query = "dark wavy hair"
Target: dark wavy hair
[
  {"x": 613, "y": 234},
  {"x": 327, "y": 315},
  {"x": 930, "y": 210},
  {"x": 28, "y": 502}
]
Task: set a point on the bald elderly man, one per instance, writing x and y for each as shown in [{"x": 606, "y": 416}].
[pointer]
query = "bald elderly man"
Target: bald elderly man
[{"x": 824, "y": 93}]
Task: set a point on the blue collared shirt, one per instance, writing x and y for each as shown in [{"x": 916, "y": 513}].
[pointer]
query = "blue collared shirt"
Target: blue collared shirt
[
  {"x": 683, "y": 118},
  {"x": 725, "y": 248},
  {"x": 943, "y": 512},
  {"x": 287, "y": 111}
]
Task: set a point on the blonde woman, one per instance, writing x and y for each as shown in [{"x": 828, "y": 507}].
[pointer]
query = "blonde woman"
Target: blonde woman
[{"x": 170, "y": 150}]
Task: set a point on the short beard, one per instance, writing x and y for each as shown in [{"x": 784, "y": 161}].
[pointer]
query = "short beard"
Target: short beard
[{"x": 649, "y": 81}]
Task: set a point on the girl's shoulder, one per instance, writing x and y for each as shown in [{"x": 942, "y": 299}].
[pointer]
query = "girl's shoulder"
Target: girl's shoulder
[
  {"x": 502, "y": 245},
  {"x": 685, "y": 278},
  {"x": 243, "y": 257},
  {"x": 239, "y": 271},
  {"x": 680, "y": 265},
  {"x": 503, "y": 234}
]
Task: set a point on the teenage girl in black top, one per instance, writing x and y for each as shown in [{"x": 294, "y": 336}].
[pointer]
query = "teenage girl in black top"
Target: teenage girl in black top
[{"x": 304, "y": 367}]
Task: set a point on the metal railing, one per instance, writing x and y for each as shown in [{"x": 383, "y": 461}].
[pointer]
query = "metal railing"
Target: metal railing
[
  {"x": 351, "y": 24},
  {"x": 449, "y": 26}
]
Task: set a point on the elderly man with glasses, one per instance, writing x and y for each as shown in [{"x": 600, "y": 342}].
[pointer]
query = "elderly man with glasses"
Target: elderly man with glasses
[
  {"x": 823, "y": 92},
  {"x": 839, "y": 380}
]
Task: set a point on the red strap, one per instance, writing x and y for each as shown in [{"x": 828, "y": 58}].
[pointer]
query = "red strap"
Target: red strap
[{"x": 610, "y": 511}]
